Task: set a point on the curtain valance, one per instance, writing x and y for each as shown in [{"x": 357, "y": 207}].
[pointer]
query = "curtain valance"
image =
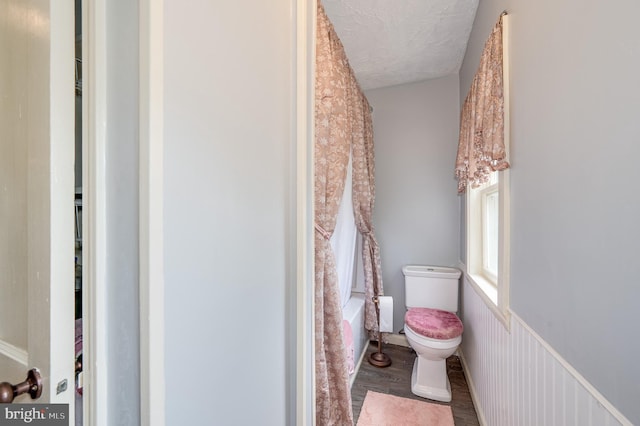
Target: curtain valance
[{"x": 481, "y": 148}]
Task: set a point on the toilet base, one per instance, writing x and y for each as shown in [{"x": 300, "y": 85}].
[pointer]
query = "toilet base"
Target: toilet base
[{"x": 429, "y": 380}]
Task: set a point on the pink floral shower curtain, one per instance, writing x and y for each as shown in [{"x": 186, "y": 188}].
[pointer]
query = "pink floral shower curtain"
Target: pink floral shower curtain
[
  {"x": 363, "y": 201},
  {"x": 333, "y": 396},
  {"x": 342, "y": 125},
  {"x": 481, "y": 145}
]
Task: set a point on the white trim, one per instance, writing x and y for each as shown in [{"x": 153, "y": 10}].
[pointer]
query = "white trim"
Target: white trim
[
  {"x": 94, "y": 117},
  {"x": 504, "y": 242},
  {"x": 472, "y": 389},
  {"x": 15, "y": 353},
  {"x": 305, "y": 108},
  {"x": 489, "y": 295},
  {"x": 152, "y": 366},
  {"x": 484, "y": 194}
]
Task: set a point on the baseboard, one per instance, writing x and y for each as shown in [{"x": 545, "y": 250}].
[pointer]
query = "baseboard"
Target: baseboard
[
  {"x": 472, "y": 389},
  {"x": 398, "y": 339}
]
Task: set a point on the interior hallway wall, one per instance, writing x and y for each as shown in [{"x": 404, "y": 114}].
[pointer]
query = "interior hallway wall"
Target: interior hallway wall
[
  {"x": 416, "y": 214},
  {"x": 575, "y": 233},
  {"x": 228, "y": 211}
]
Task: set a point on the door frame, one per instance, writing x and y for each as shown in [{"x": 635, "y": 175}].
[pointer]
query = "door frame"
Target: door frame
[
  {"x": 151, "y": 233},
  {"x": 94, "y": 134},
  {"x": 303, "y": 108}
]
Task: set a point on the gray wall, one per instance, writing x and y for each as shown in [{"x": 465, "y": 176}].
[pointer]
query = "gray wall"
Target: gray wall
[
  {"x": 122, "y": 145},
  {"x": 416, "y": 214},
  {"x": 574, "y": 197},
  {"x": 228, "y": 91}
]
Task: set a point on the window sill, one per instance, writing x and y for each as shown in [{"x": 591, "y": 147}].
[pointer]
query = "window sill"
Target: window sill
[
  {"x": 485, "y": 286},
  {"x": 489, "y": 295}
]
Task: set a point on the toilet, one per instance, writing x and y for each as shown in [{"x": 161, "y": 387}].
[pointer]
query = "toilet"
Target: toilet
[{"x": 431, "y": 326}]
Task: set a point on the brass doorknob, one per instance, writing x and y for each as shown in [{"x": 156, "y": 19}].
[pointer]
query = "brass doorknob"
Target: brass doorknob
[{"x": 33, "y": 386}]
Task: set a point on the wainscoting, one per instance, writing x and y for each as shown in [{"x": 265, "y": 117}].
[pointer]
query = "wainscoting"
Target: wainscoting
[{"x": 516, "y": 378}]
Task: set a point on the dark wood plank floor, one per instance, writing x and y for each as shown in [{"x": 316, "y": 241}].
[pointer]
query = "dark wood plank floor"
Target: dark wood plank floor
[{"x": 396, "y": 380}]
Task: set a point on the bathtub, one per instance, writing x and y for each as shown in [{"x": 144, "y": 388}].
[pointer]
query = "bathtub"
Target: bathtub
[{"x": 353, "y": 312}]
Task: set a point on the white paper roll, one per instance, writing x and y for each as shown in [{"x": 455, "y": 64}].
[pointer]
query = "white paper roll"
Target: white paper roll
[{"x": 386, "y": 314}]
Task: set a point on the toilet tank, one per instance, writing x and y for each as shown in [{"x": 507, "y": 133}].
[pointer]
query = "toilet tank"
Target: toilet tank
[{"x": 431, "y": 287}]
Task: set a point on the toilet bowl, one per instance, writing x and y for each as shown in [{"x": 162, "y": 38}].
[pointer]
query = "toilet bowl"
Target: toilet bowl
[
  {"x": 433, "y": 345},
  {"x": 431, "y": 326}
]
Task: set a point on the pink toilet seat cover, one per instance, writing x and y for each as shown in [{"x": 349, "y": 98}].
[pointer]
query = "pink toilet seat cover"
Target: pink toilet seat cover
[{"x": 434, "y": 323}]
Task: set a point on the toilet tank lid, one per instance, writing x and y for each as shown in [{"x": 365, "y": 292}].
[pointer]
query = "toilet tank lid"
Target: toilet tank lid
[{"x": 430, "y": 271}]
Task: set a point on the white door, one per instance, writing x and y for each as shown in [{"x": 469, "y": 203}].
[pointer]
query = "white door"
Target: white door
[{"x": 37, "y": 195}]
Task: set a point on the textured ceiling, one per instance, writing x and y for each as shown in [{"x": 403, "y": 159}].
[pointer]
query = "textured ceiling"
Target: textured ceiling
[{"x": 391, "y": 42}]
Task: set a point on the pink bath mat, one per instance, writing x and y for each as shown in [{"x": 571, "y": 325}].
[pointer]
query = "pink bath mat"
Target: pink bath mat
[{"x": 380, "y": 409}]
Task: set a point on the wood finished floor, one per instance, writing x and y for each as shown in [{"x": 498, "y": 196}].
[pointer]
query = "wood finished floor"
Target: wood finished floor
[{"x": 396, "y": 380}]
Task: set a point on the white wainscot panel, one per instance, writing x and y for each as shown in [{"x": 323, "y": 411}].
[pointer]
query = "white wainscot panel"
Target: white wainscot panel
[{"x": 516, "y": 378}]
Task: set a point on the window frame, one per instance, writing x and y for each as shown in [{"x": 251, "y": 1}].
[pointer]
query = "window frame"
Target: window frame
[
  {"x": 485, "y": 192},
  {"x": 493, "y": 290}
]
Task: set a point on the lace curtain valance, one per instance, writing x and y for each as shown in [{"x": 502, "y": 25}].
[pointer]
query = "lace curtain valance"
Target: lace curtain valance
[{"x": 481, "y": 148}]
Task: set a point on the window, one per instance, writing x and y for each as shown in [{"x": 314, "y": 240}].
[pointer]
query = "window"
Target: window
[
  {"x": 489, "y": 199},
  {"x": 488, "y": 241}
]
